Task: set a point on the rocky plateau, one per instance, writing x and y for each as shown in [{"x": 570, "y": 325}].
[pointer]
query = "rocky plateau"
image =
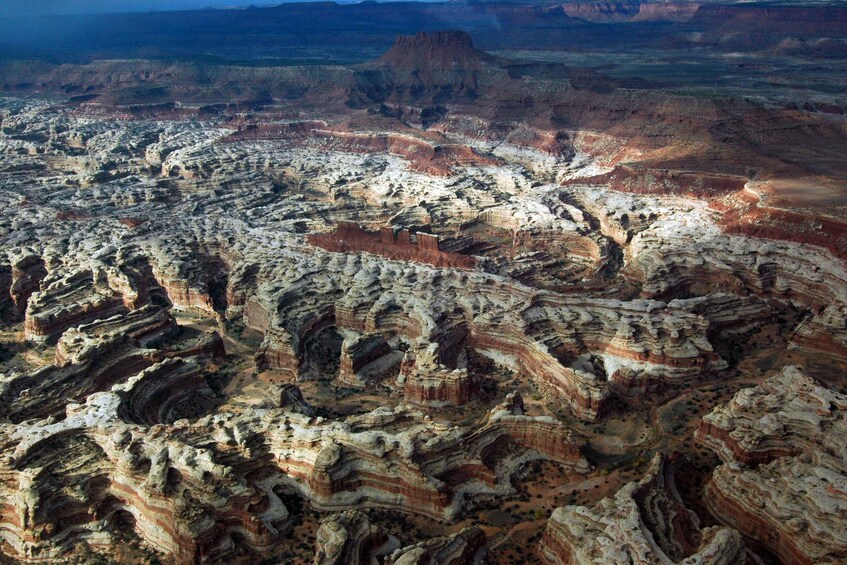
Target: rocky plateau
[{"x": 434, "y": 308}]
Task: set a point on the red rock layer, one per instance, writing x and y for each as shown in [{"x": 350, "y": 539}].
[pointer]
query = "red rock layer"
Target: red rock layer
[
  {"x": 626, "y": 178},
  {"x": 125, "y": 473},
  {"x": 544, "y": 434},
  {"x": 155, "y": 514},
  {"x": 632, "y": 10},
  {"x": 248, "y": 131},
  {"x": 743, "y": 215},
  {"x": 548, "y": 239},
  {"x": 525, "y": 344},
  {"x": 782, "y": 480},
  {"x": 548, "y": 437},
  {"x": 741, "y": 453},
  {"x": 348, "y": 237},
  {"x": 53, "y": 325},
  {"x": 341, "y": 475},
  {"x": 155, "y": 395},
  {"x": 789, "y": 19},
  {"x": 546, "y": 367},
  {"x": 738, "y": 514},
  {"x": 363, "y": 320},
  {"x": 438, "y": 387},
  {"x": 183, "y": 295}
]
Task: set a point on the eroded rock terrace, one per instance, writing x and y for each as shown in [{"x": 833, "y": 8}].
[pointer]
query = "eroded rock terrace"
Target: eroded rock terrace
[{"x": 190, "y": 368}]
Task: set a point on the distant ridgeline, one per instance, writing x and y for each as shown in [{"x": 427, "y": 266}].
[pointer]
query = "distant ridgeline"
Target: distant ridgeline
[{"x": 310, "y": 32}]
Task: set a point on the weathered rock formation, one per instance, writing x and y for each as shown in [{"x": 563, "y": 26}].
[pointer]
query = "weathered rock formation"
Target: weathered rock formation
[
  {"x": 645, "y": 522},
  {"x": 188, "y": 488},
  {"x": 437, "y": 386},
  {"x": 784, "y": 479},
  {"x": 543, "y": 334},
  {"x": 349, "y": 538},
  {"x": 682, "y": 183},
  {"x": 412, "y": 239},
  {"x": 164, "y": 393},
  {"x": 27, "y": 274},
  {"x": 95, "y": 356},
  {"x": 89, "y": 475},
  {"x": 364, "y": 357},
  {"x": 350, "y": 238},
  {"x": 145, "y": 325},
  {"x": 423, "y": 155},
  {"x": 541, "y": 433},
  {"x": 466, "y": 547},
  {"x": 85, "y": 364},
  {"x": 71, "y": 300}
]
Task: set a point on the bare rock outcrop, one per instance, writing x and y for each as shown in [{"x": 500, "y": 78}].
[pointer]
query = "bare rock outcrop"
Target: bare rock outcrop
[
  {"x": 27, "y": 274},
  {"x": 147, "y": 465},
  {"x": 784, "y": 478},
  {"x": 410, "y": 262},
  {"x": 118, "y": 474},
  {"x": 396, "y": 244},
  {"x": 364, "y": 357},
  {"x": 86, "y": 364},
  {"x": 165, "y": 392},
  {"x": 542, "y": 334},
  {"x": 437, "y": 386},
  {"x": 466, "y": 547},
  {"x": 68, "y": 301},
  {"x": 645, "y": 522},
  {"x": 348, "y": 538}
]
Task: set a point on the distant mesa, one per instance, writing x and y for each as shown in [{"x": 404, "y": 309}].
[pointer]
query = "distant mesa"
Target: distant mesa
[{"x": 440, "y": 50}]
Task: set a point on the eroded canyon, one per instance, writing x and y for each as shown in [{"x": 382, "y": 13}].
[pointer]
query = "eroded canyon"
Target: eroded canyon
[{"x": 434, "y": 308}]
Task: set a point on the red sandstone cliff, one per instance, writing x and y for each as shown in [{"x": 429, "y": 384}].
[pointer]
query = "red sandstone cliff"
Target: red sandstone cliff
[{"x": 348, "y": 237}]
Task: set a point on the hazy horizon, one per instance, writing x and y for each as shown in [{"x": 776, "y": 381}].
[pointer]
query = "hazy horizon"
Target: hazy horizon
[
  {"x": 24, "y": 8},
  {"x": 28, "y": 8}
]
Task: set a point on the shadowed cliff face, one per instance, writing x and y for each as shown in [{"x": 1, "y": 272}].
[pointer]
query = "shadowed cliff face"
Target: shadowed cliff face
[
  {"x": 441, "y": 50},
  {"x": 435, "y": 68}
]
